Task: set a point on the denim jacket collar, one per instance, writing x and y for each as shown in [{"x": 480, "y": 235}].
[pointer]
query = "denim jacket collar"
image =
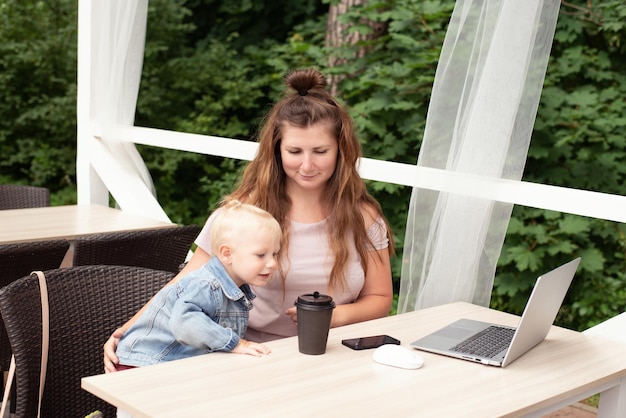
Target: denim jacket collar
[{"x": 231, "y": 290}]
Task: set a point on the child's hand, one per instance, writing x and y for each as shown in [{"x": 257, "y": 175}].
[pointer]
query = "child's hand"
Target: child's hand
[{"x": 254, "y": 349}]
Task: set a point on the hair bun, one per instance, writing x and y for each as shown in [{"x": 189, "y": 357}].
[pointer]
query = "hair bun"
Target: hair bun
[{"x": 304, "y": 80}]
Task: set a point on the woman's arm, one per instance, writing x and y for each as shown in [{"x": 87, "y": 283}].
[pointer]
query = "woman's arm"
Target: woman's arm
[
  {"x": 198, "y": 259},
  {"x": 375, "y": 298}
]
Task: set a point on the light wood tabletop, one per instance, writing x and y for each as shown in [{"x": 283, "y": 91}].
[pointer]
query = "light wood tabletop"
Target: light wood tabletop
[
  {"x": 566, "y": 367},
  {"x": 69, "y": 222}
]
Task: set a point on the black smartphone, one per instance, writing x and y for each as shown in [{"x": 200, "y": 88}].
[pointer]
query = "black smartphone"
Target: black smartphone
[{"x": 364, "y": 343}]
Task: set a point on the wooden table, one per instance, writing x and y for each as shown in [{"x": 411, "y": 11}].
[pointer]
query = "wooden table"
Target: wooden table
[
  {"x": 69, "y": 222},
  {"x": 566, "y": 367}
]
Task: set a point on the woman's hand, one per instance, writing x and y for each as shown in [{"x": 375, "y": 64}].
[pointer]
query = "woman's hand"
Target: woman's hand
[
  {"x": 293, "y": 313},
  {"x": 110, "y": 359}
]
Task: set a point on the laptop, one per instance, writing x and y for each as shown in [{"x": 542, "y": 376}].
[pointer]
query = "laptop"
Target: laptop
[{"x": 500, "y": 344}]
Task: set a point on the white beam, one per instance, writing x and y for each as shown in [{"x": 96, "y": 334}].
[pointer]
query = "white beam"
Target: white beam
[{"x": 561, "y": 199}]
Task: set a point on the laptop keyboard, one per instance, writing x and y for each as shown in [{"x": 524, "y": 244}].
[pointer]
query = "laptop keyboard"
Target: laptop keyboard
[{"x": 486, "y": 343}]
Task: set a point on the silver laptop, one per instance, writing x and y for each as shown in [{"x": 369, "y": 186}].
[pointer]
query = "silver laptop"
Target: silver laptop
[{"x": 499, "y": 345}]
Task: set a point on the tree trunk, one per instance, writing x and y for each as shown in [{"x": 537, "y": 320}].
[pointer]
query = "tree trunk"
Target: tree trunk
[{"x": 337, "y": 35}]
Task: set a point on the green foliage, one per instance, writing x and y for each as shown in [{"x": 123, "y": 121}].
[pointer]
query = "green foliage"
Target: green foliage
[
  {"x": 252, "y": 20},
  {"x": 215, "y": 67},
  {"x": 38, "y": 101},
  {"x": 388, "y": 89},
  {"x": 577, "y": 142},
  {"x": 208, "y": 80}
]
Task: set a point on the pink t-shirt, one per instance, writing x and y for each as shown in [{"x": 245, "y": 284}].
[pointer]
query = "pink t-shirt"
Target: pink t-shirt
[{"x": 311, "y": 261}]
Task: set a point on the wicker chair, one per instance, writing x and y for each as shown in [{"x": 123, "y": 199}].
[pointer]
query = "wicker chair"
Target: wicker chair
[
  {"x": 18, "y": 260},
  {"x": 22, "y": 197},
  {"x": 160, "y": 249},
  {"x": 86, "y": 304}
]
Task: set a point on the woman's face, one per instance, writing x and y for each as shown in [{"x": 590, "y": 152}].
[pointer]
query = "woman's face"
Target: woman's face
[{"x": 309, "y": 155}]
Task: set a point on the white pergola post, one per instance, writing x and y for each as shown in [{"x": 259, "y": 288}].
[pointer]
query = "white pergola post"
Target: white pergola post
[
  {"x": 110, "y": 59},
  {"x": 91, "y": 189}
]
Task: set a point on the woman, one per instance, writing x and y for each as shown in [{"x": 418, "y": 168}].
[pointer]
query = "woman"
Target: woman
[{"x": 335, "y": 237}]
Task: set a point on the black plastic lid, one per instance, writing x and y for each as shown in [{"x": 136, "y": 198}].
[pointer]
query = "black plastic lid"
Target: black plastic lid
[{"x": 315, "y": 299}]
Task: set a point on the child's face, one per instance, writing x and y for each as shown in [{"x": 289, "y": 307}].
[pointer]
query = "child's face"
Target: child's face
[{"x": 253, "y": 260}]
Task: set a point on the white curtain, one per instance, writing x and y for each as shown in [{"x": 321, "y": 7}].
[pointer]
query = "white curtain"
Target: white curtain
[
  {"x": 482, "y": 111},
  {"x": 118, "y": 30}
]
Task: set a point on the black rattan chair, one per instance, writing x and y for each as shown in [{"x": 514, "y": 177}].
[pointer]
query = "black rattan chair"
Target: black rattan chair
[
  {"x": 86, "y": 304},
  {"x": 22, "y": 197},
  {"x": 18, "y": 260},
  {"x": 161, "y": 249}
]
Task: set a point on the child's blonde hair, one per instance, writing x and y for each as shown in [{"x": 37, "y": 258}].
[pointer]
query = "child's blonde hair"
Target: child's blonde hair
[{"x": 237, "y": 219}]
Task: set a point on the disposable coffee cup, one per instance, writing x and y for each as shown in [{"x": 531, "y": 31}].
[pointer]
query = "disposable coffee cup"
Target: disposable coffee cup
[{"x": 314, "y": 314}]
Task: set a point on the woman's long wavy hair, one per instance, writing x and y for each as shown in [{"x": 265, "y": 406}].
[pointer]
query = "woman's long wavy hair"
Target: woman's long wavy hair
[{"x": 263, "y": 181}]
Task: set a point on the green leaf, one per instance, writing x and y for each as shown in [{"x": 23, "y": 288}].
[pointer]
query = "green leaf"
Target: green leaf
[
  {"x": 574, "y": 224},
  {"x": 592, "y": 260}
]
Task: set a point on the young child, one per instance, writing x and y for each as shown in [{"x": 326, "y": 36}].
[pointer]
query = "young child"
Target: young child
[{"x": 207, "y": 310}]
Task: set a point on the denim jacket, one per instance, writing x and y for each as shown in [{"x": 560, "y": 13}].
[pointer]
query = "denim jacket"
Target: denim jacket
[{"x": 204, "y": 312}]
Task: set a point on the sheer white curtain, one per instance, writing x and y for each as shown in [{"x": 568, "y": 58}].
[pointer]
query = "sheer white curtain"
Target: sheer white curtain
[
  {"x": 482, "y": 111},
  {"x": 118, "y": 30}
]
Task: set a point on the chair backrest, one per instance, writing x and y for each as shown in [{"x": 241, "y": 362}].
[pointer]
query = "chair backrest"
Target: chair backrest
[
  {"x": 161, "y": 248},
  {"x": 18, "y": 260},
  {"x": 21, "y": 197},
  {"x": 86, "y": 304}
]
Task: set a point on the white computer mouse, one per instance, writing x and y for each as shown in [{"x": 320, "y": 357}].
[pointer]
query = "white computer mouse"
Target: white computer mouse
[{"x": 397, "y": 356}]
